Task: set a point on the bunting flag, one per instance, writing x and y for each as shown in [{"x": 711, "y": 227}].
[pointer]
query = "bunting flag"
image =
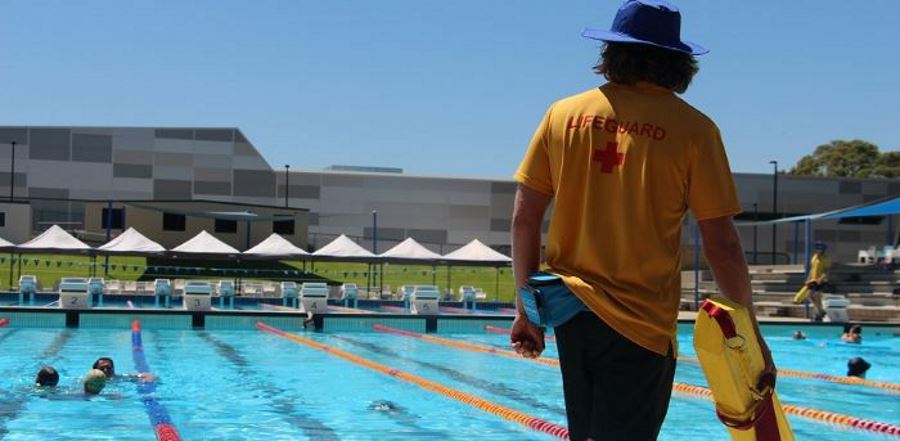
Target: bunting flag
[
  {"x": 36, "y": 262},
  {"x": 58, "y": 264},
  {"x": 69, "y": 264},
  {"x": 47, "y": 263}
]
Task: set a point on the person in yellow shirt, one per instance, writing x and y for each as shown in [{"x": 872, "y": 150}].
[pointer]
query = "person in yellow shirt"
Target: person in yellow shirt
[
  {"x": 623, "y": 164},
  {"x": 815, "y": 283}
]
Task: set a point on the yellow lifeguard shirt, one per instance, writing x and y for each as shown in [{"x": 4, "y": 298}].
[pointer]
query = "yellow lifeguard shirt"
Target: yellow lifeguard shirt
[
  {"x": 624, "y": 164},
  {"x": 818, "y": 266}
]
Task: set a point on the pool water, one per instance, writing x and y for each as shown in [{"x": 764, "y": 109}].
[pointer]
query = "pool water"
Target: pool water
[{"x": 236, "y": 385}]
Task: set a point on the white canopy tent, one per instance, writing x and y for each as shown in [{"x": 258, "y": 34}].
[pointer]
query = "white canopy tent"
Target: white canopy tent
[
  {"x": 344, "y": 248},
  {"x": 5, "y": 243},
  {"x": 476, "y": 252},
  {"x": 410, "y": 250},
  {"x": 133, "y": 242},
  {"x": 275, "y": 246},
  {"x": 205, "y": 243},
  {"x": 54, "y": 239}
]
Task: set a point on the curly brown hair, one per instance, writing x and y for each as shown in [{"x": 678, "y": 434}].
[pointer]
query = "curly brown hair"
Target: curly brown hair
[{"x": 628, "y": 63}]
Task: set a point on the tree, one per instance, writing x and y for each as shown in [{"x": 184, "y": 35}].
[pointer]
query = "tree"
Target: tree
[
  {"x": 855, "y": 159},
  {"x": 888, "y": 165}
]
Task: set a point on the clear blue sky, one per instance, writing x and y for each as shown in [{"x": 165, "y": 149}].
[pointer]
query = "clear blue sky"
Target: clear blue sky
[{"x": 453, "y": 87}]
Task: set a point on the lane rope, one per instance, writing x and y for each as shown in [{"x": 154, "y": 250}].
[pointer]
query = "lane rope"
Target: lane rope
[
  {"x": 506, "y": 413},
  {"x": 463, "y": 345},
  {"x": 886, "y": 385},
  {"x": 894, "y": 387},
  {"x": 159, "y": 416},
  {"x": 814, "y": 414}
]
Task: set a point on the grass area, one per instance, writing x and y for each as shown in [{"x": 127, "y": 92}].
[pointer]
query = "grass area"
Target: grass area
[{"x": 50, "y": 268}]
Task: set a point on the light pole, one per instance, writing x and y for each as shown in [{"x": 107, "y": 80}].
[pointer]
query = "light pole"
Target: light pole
[
  {"x": 375, "y": 247},
  {"x": 287, "y": 183},
  {"x": 12, "y": 170},
  {"x": 774, "y": 207}
]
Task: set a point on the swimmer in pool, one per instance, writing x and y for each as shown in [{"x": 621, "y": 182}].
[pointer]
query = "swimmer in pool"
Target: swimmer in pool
[
  {"x": 47, "y": 377},
  {"x": 857, "y": 367},
  {"x": 106, "y": 365},
  {"x": 799, "y": 335},
  {"x": 384, "y": 406},
  {"x": 94, "y": 382},
  {"x": 852, "y": 334}
]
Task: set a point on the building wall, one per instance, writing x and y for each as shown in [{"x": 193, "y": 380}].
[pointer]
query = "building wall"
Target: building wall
[
  {"x": 15, "y": 221},
  {"x": 149, "y": 221},
  {"x": 134, "y": 163}
]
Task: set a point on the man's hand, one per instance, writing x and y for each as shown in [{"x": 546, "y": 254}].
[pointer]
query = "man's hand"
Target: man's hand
[{"x": 527, "y": 339}]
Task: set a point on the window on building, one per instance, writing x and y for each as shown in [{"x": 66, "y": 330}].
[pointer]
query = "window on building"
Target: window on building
[
  {"x": 283, "y": 227},
  {"x": 226, "y": 226},
  {"x": 173, "y": 222},
  {"x": 116, "y": 218},
  {"x": 2, "y": 218}
]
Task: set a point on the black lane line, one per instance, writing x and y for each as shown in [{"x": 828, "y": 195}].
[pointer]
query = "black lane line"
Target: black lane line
[
  {"x": 12, "y": 403},
  {"x": 311, "y": 427},
  {"x": 498, "y": 389}
]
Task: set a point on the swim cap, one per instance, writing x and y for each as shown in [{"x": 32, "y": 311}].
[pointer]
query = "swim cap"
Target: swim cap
[{"x": 94, "y": 381}]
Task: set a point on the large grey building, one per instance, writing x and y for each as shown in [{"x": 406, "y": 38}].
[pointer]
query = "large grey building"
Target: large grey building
[{"x": 60, "y": 170}]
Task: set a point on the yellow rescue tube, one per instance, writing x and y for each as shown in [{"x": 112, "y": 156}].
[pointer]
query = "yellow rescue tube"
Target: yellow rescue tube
[
  {"x": 732, "y": 361},
  {"x": 801, "y": 295}
]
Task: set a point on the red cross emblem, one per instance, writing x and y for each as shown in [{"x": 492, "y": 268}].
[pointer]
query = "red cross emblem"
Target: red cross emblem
[{"x": 609, "y": 158}]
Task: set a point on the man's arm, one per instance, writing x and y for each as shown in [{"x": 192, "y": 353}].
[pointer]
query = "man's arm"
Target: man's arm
[
  {"x": 722, "y": 246},
  {"x": 528, "y": 216},
  {"x": 723, "y": 250}
]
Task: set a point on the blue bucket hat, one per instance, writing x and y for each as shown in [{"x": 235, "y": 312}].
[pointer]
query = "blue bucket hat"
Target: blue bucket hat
[
  {"x": 820, "y": 245},
  {"x": 653, "y": 22}
]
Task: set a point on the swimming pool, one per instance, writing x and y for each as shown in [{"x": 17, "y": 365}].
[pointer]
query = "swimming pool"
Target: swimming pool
[{"x": 243, "y": 384}]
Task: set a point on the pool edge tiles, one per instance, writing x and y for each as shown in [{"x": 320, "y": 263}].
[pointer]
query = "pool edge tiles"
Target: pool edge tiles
[
  {"x": 332, "y": 324},
  {"x": 248, "y": 322},
  {"x": 34, "y": 319},
  {"x": 124, "y": 320}
]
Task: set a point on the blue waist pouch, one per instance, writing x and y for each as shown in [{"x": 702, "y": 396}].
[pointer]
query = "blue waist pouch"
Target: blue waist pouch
[{"x": 547, "y": 301}]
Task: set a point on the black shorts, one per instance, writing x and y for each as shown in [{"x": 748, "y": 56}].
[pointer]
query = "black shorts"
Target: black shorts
[{"x": 614, "y": 388}]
